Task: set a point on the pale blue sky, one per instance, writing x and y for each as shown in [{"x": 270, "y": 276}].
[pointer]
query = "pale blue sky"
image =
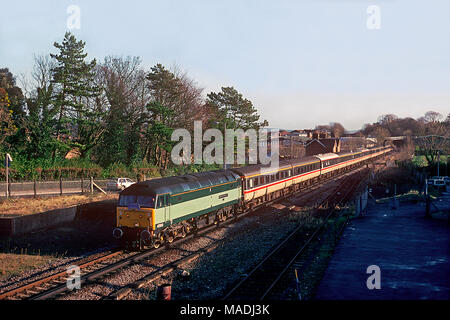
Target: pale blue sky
[{"x": 302, "y": 62}]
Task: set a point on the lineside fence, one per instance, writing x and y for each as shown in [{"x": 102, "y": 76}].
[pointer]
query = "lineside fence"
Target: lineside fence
[{"x": 55, "y": 187}]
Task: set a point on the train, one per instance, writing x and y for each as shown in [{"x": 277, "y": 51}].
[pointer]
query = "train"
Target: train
[{"x": 156, "y": 212}]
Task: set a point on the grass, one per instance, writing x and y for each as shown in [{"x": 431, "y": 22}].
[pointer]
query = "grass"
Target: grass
[
  {"x": 14, "y": 264},
  {"x": 23, "y": 206},
  {"x": 411, "y": 195}
]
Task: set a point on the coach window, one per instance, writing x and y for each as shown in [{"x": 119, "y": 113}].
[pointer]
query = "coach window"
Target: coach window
[
  {"x": 256, "y": 182},
  {"x": 261, "y": 180}
]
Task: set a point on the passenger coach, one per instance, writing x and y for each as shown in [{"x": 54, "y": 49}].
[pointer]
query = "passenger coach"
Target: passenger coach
[{"x": 159, "y": 210}]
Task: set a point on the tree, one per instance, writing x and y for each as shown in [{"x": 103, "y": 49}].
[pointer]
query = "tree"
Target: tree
[
  {"x": 386, "y": 119},
  {"x": 231, "y": 107},
  {"x": 337, "y": 129},
  {"x": 176, "y": 102},
  {"x": 176, "y": 91},
  {"x": 7, "y": 127},
  {"x": 159, "y": 133},
  {"x": 432, "y": 116},
  {"x": 125, "y": 95},
  {"x": 15, "y": 95},
  {"x": 79, "y": 115}
]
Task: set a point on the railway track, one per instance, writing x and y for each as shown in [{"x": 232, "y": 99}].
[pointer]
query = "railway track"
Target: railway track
[
  {"x": 94, "y": 269},
  {"x": 260, "y": 282},
  {"x": 176, "y": 265},
  {"x": 46, "y": 283}
]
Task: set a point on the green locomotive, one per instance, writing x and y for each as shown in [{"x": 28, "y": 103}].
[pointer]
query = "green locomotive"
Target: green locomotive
[{"x": 160, "y": 210}]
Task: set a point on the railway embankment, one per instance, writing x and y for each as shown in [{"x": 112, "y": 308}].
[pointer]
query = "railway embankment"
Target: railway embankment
[{"x": 14, "y": 224}]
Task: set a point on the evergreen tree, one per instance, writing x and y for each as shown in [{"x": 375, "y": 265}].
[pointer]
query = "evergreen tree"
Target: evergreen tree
[
  {"x": 78, "y": 113},
  {"x": 234, "y": 110}
]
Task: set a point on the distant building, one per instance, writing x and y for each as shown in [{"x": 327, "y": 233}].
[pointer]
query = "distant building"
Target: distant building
[
  {"x": 298, "y": 134},
  {"x": 321, "y": 134},
  {"x": 318, "y": 146}
]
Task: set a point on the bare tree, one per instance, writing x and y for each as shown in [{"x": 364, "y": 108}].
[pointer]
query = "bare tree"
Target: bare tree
[
  {"x": 386, "y": 119},
  {"x": 124, "y": 98},
  {"x": 337, "y": 129},
  {"x": 432, "y": 116}
]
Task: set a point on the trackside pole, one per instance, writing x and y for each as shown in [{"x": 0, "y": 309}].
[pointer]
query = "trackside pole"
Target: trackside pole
[
  {"x": 7, "y": 177},
  {"x": 297, "y": 283},
  {"x": 8, "y": 160}
]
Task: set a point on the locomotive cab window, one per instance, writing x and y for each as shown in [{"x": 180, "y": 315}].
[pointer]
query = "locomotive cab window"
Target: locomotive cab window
[
  {"x": 142, "y": 201},
  {"x": 161, "y": 202}
]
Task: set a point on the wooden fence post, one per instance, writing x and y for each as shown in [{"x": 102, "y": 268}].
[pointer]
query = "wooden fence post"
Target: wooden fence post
[
  {"x": 82, "y": 185},
  {"x": 34, "y": 188},
  {"x": 92, "y": 185},
  {"x": 60, "y": 185}
]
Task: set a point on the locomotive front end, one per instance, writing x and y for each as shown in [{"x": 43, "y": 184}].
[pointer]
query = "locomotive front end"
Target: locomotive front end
[{"x": 135, "y": 218}]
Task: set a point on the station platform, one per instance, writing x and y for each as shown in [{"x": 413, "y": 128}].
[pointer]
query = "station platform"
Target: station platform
[{"x": 411, "y": 251}]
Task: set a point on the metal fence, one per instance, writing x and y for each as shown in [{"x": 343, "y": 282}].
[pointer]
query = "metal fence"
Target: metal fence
[{"x": 56, "y": 187}]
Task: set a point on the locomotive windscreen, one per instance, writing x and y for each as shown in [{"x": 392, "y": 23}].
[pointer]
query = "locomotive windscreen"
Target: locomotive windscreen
[{"x": 142, "y": 201}]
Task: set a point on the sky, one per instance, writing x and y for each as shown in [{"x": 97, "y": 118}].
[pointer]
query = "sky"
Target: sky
[{"x": 302, "y": 62}]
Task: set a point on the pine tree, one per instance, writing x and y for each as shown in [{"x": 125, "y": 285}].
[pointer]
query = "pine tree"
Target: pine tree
[
  {"x": 232, "y": 108},
  {"x": 78, "y": 113}
]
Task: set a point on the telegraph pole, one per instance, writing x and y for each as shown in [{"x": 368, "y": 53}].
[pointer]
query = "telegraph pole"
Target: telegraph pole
[
  {"x": 224, "y": 134},
  {"x": 438, "y": 162},
  {"x": 8, "y": 160}
]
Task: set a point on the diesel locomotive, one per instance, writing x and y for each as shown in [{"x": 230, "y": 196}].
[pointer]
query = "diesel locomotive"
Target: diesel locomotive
[{"x": 154, "y": 212}]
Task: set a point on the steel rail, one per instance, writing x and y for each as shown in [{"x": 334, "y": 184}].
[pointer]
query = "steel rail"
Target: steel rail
[
  {"x": 61, "y": 274},
  {"x": 127, "y": 261},
  {"x": 289, "y": 237}
]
